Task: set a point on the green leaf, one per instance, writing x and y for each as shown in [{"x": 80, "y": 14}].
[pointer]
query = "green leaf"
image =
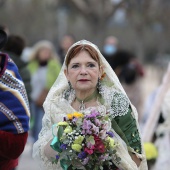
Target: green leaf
[
  {"x": 114, "y": 151},
  {"x": 60, "y": 132},
  {"x": 91, "y": 140},
  {"x": 101, "y": 167},
  {"x": 118, "y": 159}
]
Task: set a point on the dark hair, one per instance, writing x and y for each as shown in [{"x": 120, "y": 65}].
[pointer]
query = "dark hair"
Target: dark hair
[
  {"x": 128, "y": 73},
  {"x": 82, "y": 47},
  {"x": 15, "y": 44},
  {"x": 3, "y": 27},
  {"x": 121, "y": 58}
]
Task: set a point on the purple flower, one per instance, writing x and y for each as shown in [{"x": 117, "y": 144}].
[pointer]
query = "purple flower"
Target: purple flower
[
  {"x": 63, "y": 146},
  {"x": 93, "y": 114},
  {"x": 85, "y": 132},
  {"x": 86, "y": 124},
  {"x": 97, "y": 122},
  {"x": 65, "y": 119},
  {"x": 111, "y": 134},
  {"x": 85, "y": 161},
  {"x": 82, "y": 155},
  {"x": 57, "y": 157},
  {"x": 103, "y": 157},
  {"x": 74, "y": 120}
]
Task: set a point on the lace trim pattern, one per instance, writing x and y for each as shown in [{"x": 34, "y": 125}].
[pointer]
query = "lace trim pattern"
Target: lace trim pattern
[{"x": 117, "y": 102}]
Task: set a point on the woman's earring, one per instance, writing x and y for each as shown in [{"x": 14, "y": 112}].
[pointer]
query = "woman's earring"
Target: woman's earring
[
  {"x": 68, "y": 91},
  {"x": 70, "y": 87},
  {"x": 99, "y": 86}
]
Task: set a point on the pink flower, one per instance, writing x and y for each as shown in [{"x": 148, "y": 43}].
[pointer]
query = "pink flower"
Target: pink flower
[
  {"x": 89, "y": 151},
  {"x": 99, "y": 145},
  {"x": 90, "y": 146}
]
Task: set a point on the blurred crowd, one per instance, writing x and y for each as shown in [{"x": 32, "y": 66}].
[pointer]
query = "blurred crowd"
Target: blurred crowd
[{"x": 40, "y": 65}]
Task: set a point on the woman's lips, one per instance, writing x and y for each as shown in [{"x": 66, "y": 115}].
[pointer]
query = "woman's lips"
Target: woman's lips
[{"x": 83, "y": 80}]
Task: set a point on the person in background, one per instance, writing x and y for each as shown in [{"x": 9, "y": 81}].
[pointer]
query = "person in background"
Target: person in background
[
  {"x": 14, "y": 48},
  {"x": 14, "y": 111},
  {"x": 44, "y": 67},
  {"x": 129, "y": 71},
  {"x": 5, "y": 29},
  {"x": 110, "y": 46},
  {"x": 65, "y": 44}
]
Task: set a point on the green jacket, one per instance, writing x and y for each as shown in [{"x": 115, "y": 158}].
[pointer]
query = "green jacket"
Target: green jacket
[{"x": 53, "y": 69}]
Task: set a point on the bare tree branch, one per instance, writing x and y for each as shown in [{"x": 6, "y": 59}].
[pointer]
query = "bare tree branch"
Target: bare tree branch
[
  {"x": 2, "y": 3},
  {"x": 81, "y": 6},
  {"x": 114, "y": 8}
]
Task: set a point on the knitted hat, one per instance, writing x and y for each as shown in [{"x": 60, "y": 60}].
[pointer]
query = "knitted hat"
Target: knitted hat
[{"x": 3, "y": 38}]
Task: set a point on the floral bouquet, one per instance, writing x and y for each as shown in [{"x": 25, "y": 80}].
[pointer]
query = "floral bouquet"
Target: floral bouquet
[{"x": 85, "y": 141}]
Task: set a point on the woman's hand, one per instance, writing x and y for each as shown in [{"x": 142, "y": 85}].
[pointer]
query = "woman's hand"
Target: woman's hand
[{"x": 135, "y": 159}]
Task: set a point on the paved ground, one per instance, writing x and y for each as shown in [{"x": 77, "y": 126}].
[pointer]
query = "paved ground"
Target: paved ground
[{"x": 26, "y": 162}]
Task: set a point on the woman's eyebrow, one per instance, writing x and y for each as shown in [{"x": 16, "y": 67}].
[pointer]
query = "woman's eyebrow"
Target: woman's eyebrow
[
  {"x": 74, "y": 63},
  {"x": 91, "y": 62}
]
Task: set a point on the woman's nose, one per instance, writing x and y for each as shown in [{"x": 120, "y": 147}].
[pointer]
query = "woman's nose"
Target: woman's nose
[{"x": 83, "y": 71}]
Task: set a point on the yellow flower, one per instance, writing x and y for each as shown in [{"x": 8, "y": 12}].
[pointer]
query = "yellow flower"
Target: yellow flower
[
  {"x": 79, "y": 140},
  {"x": 75, "y": 114},
  {"x": 62, "y": 124},
  {"x": 70, "y": 116},
  {"x": 68, "y": 129},
  {"x": 76, "y": 147},
  {"x": 111, "y": 142},
  {"x": 150, "y": 151}
]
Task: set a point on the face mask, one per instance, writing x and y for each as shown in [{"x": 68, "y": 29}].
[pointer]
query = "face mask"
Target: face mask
[{"x": 109, "y": 49}]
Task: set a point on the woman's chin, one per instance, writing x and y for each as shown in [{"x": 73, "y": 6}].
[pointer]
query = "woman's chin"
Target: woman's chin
[{"x": 84, "y": 88}]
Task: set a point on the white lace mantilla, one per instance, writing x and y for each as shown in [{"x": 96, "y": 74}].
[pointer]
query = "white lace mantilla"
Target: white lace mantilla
[{"x": 115, "y": 102}]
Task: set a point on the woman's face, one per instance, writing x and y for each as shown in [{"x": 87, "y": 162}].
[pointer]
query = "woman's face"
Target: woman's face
[
  {"x": 83, "y": 72},
  {"x": 44, "y": 54}
]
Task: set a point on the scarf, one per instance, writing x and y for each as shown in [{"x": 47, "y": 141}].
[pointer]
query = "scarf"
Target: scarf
[{"x": 14, "y": 106}]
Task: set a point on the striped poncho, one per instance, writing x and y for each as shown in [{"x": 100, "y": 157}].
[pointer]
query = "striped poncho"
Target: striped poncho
[{"x": 14, "y": 106}]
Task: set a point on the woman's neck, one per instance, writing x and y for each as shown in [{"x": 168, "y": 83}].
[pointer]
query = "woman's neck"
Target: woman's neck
[
  {"x": 86, "y": 99},
  {"x": 83, "y": 95}
]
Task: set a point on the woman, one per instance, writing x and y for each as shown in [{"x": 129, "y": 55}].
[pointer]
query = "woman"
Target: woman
[
  {"x": 81, "y": 85},
  {"x": 44, "y": 68}
]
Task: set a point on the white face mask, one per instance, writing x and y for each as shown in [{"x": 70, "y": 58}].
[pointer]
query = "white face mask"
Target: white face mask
[{"x": 109, "y": 49}]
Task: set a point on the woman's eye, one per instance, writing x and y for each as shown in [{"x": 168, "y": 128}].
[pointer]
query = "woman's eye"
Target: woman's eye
[
  {"x": 74, "y": 66},
  {"x": 91, "y": 65}
]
